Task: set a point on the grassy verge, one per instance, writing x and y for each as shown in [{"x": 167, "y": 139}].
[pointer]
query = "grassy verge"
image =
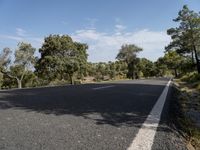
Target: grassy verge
[{"x": 186, "y": 109}]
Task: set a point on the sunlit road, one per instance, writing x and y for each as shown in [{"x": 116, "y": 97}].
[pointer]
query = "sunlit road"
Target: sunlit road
[{"x": 89, "y": 117}]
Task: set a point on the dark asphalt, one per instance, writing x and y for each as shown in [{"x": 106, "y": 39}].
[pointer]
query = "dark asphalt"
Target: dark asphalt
[{"x": 80, "y": 117}]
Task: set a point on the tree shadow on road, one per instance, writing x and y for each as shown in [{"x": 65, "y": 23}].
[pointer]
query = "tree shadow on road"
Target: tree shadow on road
[{"x": 121, "y": 105}]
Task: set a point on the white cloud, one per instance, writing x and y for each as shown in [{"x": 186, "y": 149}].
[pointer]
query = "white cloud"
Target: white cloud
[
  {"x": 20, "y": 32},
  {"x": 11, "y": 37},
  {"x": 20, "y": 35},
  {"x": 119, "y": 29},
  {"x": 104, "y": 47}
]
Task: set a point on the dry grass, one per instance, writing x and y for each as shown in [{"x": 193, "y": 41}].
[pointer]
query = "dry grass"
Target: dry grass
[{"x": 188, "y": 101}]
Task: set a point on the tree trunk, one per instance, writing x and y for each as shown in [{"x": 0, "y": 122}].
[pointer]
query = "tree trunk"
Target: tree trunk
[
  {"x": 133, "y": 72},
  {"x": 133, "y": 75},
  {"x": 197, "y": 59},
  {"x": 175, "y": 72},
  {"x": 198, "y": 66},
  {"x": 71, "y": 79},
  {"x": 19, "y": 83},
  {"x": 193, "y": 58}
]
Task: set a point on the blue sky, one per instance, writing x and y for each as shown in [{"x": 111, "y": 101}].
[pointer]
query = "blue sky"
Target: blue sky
[{"x": 104, "y": 24}]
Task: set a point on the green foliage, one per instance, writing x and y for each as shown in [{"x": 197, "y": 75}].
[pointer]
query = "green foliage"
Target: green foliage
[
  {"x": 61, "y": 56},
  {"x": 77, "y": 82},
  {"x": 5, "y": 58},
  {"x": 128, "y": 54},
  {"x": 23, "y": 62},
  {"x": 191, "y": 77},
  {"x": 161, "y": 67},
  {"x": 186, "y": 37},
  {"x": 107, "y": 71},
  {"x": 1, "y": 79},
  {"x": 58, "y": 82},
  {"x": 31, "y": 80},
  {"x": 147, "y": 68},
  {"x": 24, "y": 55},
  {"x": 8, "y": 83},
  {"x": 173, "y": 61}
]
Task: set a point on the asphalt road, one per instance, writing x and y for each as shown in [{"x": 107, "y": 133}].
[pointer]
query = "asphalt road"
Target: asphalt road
[{"x": 86, "y": 117}]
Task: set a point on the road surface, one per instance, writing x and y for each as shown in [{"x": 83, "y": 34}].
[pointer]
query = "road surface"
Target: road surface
[{"x": 110, "y": 116}]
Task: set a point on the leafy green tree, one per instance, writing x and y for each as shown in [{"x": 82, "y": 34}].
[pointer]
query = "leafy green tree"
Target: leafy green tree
[
  {"x": 23, "y": 62},
  {"x": 90, "y": 69},
  {"x": 61, "y": 56},
  {"x": 82, "y": 50},
  {"x": 186, "y": 66},
  {"x": 112, "y": 70},
  {"x": 121, "y": 69},
  {"x": 100, "y": 71},
  {"x": 5, "y": 59},
  {"x": 8, "y": 83},
  {"x": 128, "y": 53},
  {"x": 186, "y": 37},
  {"x": 147, "y": 67},
  {"x": 173, "y": 61},
  {"x": 161, "y": 67},
  {"x": 1, "y": 79},
  {"x": 105, "y": 71},
  {"x": 31, "y": 80}
]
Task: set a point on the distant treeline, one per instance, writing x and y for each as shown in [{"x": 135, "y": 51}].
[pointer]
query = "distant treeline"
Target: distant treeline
[{"x": 64, "y": 61}]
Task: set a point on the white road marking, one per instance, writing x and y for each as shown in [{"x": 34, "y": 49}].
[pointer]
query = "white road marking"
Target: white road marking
[
  {"x": 145, "y": 137},
  {"x": 103, "y": 87}
]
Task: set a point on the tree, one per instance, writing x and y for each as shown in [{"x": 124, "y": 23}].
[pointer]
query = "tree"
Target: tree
[
  {"x": 128, "y": 53},
  {"x": 24, "y": 60},
  {"x": 82, "y": 53},
  {"x": 186, "y": 37},
  {"x": 112, "y": 70},
  {"x": 61, "y": 56},
  {"x": 173, "y": 61},
  {"x": 147, "y": 67},
  {"x": 5, "y": 58},
  {"x": 121, "y": 69},
  {"x": 161, "y": 67}
]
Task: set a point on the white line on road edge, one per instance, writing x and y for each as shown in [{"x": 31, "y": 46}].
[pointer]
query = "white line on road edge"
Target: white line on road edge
[
  {"x": 103, "y": 87},
  {"x": 145, "y": 137}
]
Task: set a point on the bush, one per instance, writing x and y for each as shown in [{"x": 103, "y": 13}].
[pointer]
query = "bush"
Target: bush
[
  {"x": 76, "y": 82},
  {"x": 191, "y": 77},
  {"x": 58, "y": 82}
]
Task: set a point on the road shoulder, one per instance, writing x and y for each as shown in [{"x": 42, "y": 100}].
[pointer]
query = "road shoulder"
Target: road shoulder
[{"x": 185, "y": 108}]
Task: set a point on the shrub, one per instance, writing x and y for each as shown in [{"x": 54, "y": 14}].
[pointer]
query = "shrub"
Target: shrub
[
  {"x": 76, "y": 82},
  {"x": 191, "y": 77},
  {"x": 58, "y": 82}
]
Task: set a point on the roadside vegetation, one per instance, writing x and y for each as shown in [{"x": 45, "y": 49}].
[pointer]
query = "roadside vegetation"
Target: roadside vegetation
[
  {"x": 184, "y": 54},
  {"x": 60, "y": 60},
  {"x": 64, "y": 61},
  {"x": 185, "y": 107}
]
